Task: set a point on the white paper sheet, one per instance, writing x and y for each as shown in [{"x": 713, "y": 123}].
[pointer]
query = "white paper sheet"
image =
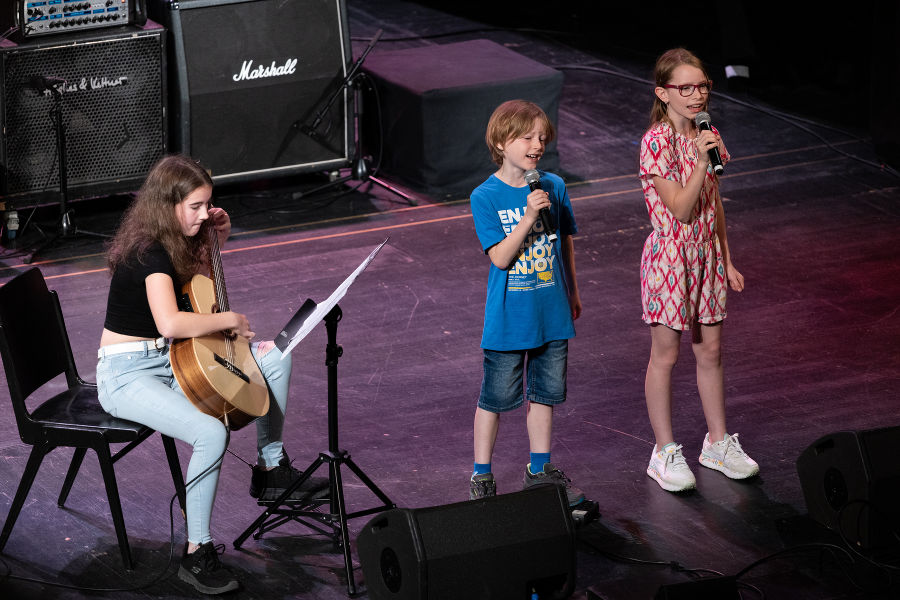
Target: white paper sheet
[{"x": 323, "y": 308}]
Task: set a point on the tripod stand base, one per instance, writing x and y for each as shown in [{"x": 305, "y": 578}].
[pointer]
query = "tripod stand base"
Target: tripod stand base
[
  {"x": 66, "y": 230},
  {"x": 364, "y": 178},
  {"x": 409, "y": 199},
  {"x": 310, "y": 513}
]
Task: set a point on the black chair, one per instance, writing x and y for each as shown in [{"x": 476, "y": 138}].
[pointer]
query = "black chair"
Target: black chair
[{"x": 35, "y": 349}]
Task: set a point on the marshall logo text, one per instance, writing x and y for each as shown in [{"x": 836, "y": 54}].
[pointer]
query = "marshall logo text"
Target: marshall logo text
[{"x": 248, "y": 71}]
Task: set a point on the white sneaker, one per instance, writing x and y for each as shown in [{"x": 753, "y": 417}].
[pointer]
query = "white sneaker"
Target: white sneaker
[
  {"x": 728, "y": 457},
  {"x": 669, "y": 469}
]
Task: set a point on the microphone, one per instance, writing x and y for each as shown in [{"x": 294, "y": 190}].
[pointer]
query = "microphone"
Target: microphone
[
  {"x": 41, "y": 83},
  {"x": 702, "y": 121},
  {"x": 533, "y": 179}
]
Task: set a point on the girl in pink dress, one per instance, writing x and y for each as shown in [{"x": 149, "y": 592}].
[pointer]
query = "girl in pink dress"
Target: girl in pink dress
[{"x": 685, "y": 268}]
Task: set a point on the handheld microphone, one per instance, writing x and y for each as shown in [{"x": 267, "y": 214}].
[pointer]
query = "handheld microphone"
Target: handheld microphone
[
  {"x": 533, "y": 179},
  {"x": 702, "y": 120},
  {"x": 41, "y": 83}
]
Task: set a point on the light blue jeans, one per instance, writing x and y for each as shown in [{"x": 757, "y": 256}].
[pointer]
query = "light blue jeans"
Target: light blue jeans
[{"x": 140, "y": 386}]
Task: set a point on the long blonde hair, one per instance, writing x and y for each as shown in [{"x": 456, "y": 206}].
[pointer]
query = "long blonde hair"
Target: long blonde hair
[
  {"x": 662, "y": 75},
  {"x": 151, "y": 218}
]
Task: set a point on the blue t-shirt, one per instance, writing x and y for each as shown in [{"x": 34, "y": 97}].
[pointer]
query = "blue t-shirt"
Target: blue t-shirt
[{"x": 527, "y": 304}]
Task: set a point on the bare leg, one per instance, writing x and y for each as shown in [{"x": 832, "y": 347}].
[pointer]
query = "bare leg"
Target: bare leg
[
  {"x": 710, "y": 380},
  {"x": 540, "y": 426},
  {"x": 658, "y": 382},
  {"x": 486, "y": 426}
]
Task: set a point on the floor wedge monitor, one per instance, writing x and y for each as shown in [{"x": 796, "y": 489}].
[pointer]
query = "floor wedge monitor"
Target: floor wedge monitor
[{"x": 511, "y": 546}]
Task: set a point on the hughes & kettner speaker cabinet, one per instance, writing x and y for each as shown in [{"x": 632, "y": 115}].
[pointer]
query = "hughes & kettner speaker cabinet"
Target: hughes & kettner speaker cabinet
[
  {"x": 509, "y": 546},
  {"x": 851, "y": 483},
  {"x": 110, "y": 86},
  {"x": 249, "y": 78}
]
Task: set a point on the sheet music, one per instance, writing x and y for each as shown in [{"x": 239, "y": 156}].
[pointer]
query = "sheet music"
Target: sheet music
[{"x": 321, "y": 309}]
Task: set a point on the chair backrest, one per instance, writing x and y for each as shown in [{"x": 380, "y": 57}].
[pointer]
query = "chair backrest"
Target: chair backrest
[{"x": 34, "y": 344}]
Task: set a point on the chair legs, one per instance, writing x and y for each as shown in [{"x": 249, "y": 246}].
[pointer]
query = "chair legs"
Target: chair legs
[
  {"x": 175, "y": 468},
  {"x": 115, "y": 506},
  {"x": 38, "y": 452},
  {"x": 31, "y": 468},
  {"x": 77, "y": 459}
]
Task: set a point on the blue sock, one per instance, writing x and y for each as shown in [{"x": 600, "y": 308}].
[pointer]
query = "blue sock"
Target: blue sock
[
  {"x": 481, "y": 469},
  {"x": 538, "y": 460}
]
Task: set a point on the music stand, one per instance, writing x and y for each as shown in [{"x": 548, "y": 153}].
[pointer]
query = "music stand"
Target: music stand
[
  {"x": 65, "y": 227},
  {"x": 281, "y": 511}
]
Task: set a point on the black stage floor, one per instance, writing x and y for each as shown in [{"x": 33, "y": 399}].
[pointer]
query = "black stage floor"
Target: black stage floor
[{"x": 810, "y": 348}]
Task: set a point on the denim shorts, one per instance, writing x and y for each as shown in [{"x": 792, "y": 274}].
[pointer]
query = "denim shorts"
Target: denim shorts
[{"x": 538, "y": 374}]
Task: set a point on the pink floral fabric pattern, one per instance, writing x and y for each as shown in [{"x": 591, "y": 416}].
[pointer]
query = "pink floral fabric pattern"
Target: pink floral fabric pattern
[{"x": 682, "y": 273}]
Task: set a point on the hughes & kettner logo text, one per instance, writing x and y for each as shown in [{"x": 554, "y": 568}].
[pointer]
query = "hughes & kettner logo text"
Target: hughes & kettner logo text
[
  {"x": 85, "y": 84},
  {"x": 248, "y": 71}
]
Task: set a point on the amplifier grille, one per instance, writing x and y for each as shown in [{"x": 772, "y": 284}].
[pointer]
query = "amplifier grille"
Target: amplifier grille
[{"x": 112, "y": 111}]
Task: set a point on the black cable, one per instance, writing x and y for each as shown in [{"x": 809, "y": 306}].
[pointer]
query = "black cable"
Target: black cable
[
  {"x": 832, "y": 548},
  {"x": 793, "y": 120},
  {"x": 786, "y": 117},
  {"x": 674, "y": 565},
  {"x": 411, "y": 38},
  {"x": 851, "y": 545},
  {"x": 163, "y": 574}
]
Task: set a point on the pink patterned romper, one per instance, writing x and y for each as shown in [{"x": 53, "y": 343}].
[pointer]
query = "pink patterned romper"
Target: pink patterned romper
[{"x": 682, "y": 272}]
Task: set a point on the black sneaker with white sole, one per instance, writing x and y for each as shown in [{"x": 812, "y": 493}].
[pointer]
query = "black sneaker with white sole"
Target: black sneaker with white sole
[{"x": 203, "y": 570}]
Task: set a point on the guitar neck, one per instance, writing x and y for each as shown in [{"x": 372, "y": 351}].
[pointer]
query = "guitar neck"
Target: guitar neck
[{"x": 218, "y": 275}]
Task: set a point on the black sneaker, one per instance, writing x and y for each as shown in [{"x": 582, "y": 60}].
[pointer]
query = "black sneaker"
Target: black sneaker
[
  {"x": 203, "y": 570},
  {"x": 551, "y": 474},
  {"x": 267, "y": 486},
  {"x": 482, "y": 486}
]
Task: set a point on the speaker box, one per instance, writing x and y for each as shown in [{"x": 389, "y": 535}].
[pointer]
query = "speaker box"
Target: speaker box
[
  {"x": 113, "y": 111},
  {"x": 436, "y": 102},
  {"x": 508, "y": 546},
  {"x": 849, "y": 480},
  {"x": 250, "y": 79}
]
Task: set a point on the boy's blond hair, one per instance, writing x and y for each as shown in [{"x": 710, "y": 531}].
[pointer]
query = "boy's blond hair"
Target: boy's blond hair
[{"x": 512, "y": 119}]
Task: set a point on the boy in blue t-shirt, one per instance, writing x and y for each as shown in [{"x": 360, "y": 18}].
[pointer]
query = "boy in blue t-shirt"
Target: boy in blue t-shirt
[{"x": 532, "y": 296}]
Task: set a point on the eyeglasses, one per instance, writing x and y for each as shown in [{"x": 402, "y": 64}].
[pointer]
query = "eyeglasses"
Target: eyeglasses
[{"x": 688, "y": 89}]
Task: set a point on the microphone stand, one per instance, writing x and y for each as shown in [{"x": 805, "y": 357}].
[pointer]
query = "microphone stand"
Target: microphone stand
[
  {"x": 65, "y": 227},
  {"x": 359, "y": 171}
]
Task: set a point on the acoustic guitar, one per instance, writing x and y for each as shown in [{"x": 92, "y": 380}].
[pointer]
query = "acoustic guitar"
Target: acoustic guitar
[{"x": 217, "y": 372}]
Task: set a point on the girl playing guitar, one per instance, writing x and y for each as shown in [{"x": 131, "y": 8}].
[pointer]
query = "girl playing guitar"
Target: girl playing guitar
[{"x": 163, "y": 241}]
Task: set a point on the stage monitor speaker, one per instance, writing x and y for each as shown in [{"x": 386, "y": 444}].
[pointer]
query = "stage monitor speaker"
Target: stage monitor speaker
[
  {"x": 254, "y": 82},
  {"x": 508, "y": 546},
  {"x": 112, "y": 89},
  {"x": 850, "y": 483}
]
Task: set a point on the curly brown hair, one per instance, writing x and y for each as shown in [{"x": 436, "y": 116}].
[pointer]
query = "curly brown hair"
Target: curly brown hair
[
  {"x": 151, "y": 219},
  {"x": 512, "y": 119}
]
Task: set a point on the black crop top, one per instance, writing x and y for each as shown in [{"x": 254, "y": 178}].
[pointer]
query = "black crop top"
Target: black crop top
[{"x": 127, "y": 308}]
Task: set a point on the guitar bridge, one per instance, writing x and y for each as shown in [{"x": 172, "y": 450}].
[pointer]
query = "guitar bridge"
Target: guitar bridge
[{"x": 233, "y": 369}]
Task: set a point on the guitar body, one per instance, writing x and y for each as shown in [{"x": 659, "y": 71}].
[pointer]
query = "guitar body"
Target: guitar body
[{"x": 217, "y": 373}]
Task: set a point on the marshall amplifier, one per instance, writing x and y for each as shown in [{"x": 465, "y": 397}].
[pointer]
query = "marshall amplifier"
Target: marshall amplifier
[
  {"x": 111, "y": 92},
  {"x": 256, "y": 85},
  {"x": 44, "y": 17}
]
